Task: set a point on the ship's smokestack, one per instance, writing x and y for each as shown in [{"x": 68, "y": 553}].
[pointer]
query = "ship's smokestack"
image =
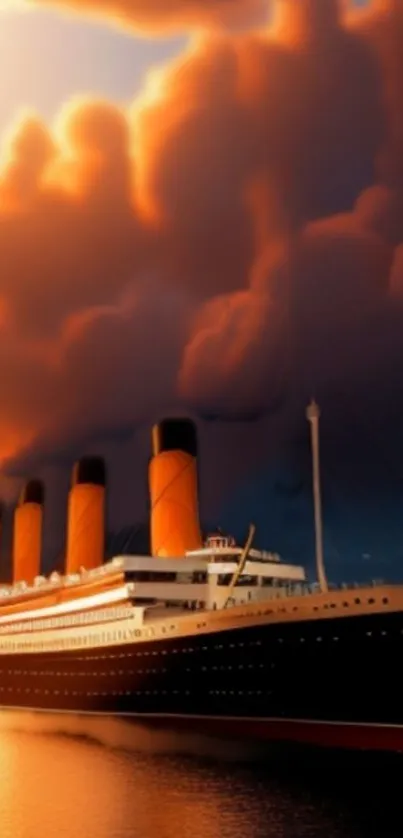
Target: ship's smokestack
[
  {"x": 27, "y": 536},
  {"x": 86, "y": 515},
  {"x": 175, "y": 524}
]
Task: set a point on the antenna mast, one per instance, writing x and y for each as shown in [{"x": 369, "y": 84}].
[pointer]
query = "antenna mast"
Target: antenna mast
[{"x": 312, "y": 415}]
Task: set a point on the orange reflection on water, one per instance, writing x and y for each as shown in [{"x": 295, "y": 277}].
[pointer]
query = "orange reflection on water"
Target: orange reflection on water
[
  {"x": 56, "y": 786},
  {"x": 67, "y": 787},
  {"x": 115, "y": 780}
]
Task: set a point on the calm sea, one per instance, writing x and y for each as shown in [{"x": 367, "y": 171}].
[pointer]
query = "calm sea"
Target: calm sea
[{"x": 110, "y": 780}]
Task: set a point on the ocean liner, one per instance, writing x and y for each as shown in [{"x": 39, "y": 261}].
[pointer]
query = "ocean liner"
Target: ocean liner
[{"x": 203, "y": 635}]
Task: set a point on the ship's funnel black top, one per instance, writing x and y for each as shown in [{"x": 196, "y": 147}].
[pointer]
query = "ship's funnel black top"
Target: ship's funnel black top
[
  {"x": 89, "y": 470},
  {"x": 33, "y": 492},
  {"x": 175, "y": 435}
]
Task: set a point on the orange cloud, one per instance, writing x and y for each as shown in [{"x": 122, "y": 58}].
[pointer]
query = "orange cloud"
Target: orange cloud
[
  {"x": 70, "y": 236},
  {"x": 225, "y": 243},
  {"x": 158, "y": 16}
]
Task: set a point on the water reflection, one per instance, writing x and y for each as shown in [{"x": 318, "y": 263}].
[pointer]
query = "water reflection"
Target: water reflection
[{"x": 125, "y": 782}]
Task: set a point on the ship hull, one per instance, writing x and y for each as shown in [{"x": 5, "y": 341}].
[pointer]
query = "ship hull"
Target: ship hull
[{"x": 330, "y": 682}]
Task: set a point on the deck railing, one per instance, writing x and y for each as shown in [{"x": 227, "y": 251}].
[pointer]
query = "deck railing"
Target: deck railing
[{"x": 298, "y": 589}]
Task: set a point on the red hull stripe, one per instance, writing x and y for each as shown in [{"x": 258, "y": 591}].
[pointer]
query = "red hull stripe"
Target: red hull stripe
[
  {"x": 346, "y": 735},
  {"x": 325, "y": 734}
]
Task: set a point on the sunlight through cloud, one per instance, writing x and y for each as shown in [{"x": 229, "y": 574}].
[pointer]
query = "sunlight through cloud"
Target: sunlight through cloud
[{"x": 12, "y": 5}]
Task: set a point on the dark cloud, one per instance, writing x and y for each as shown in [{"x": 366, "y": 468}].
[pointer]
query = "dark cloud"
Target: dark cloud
[{"x": 229, "y": 244}]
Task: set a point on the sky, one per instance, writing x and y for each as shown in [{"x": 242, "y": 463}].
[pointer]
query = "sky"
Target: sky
[
  {"x": 47, "y": 57},
  {"x": 201, "y": 213}
]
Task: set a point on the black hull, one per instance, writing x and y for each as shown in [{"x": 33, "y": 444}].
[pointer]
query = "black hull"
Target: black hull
[{"x": 327, "y": 681}]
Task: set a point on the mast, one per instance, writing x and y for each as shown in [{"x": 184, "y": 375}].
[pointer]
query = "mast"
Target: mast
[
  {"x": 312, "y": 415},
  {"x": 241, "y": 565}
]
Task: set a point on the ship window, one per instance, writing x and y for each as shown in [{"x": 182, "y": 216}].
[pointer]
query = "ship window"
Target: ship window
[
  {"x": 346, "y": 604},
  {"x": 357, "y": 601},
  {"x": 371, "y": 601},
  {"x": 151, "y": 576},
  {"x": 385, "y": 601},
  {"x": 250, "y": 581},
  {"x": 224, "y": 578}
]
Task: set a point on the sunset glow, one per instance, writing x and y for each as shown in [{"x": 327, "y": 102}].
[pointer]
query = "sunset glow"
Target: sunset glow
[{"x": 131, "y": 249}]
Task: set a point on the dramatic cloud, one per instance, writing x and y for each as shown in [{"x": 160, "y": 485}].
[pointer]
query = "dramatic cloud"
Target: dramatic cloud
[
  {"x": 229, "y": 244},
  {"x": 158, "y": 16}
]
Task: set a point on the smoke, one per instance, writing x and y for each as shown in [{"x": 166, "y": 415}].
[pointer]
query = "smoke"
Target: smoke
[{"x": 227, "y": 244}]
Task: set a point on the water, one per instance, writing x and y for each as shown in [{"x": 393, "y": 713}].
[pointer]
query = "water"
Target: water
[{"x": 82, "y": 779}]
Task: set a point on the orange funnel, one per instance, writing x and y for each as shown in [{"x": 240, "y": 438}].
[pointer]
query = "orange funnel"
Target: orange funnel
[
  {"x": 175, "y": 524},
  {"x": 27, "y": 537},
  {"x": 86, "y": 516}
]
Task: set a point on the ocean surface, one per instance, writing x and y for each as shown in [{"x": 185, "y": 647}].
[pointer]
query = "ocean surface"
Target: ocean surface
[{"x": 82, "y": 779}]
